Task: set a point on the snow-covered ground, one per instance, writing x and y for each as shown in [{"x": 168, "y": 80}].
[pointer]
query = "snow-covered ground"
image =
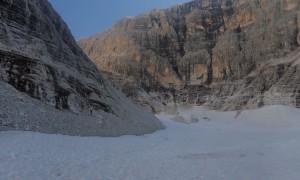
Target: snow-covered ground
[{"x": 259, "y": 144}]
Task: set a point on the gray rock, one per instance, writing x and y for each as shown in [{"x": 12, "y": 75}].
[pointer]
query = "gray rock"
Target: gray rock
[{"x": 40, "y": 58}]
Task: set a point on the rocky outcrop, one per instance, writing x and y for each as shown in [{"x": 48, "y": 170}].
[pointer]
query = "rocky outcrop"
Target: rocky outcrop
[
  {"x": 40, "y": 58},
  {"x": 227, "y": 54}
]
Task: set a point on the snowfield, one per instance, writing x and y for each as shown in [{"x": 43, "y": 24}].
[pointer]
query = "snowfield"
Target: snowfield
[{"x": 198, "y": 144}]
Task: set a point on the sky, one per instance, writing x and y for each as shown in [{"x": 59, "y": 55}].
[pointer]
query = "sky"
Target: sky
[{"x": 88, "y": 17}]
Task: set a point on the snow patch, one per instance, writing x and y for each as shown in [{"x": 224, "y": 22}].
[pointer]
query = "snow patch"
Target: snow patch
[{"x": 258, "y": 144}]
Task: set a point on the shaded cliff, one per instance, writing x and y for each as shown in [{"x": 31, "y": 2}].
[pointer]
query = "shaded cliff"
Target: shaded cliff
[
  {"x": 39, "y": 57},
  {"x": 227, "y": 54}
]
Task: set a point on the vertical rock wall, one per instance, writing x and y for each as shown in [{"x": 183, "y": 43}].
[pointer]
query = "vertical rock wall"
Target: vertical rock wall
[{"x": 225, "y": 53}]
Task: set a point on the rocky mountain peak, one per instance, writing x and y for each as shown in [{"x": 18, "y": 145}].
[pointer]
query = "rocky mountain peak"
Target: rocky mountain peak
[{"x": 226, "y": 54}]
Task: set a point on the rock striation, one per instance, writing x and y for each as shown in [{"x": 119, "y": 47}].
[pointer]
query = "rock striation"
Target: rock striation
[
  {"x": 41, "y": 60},
  {"x": 226, "y": 54}
]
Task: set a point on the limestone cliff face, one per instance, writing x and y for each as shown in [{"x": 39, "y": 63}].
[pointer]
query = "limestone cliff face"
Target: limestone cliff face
[
  {"x": 39, "y": 56},
  {"x": 229, "y": 54}
]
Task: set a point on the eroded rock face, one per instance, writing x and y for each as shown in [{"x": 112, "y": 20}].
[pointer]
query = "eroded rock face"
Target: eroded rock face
[
  {"x": 227, "y": 54},
  {"x": 39, "y": 57}
]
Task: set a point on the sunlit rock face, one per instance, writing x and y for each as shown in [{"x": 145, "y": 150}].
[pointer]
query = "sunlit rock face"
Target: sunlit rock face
[
  {"x": 39, "y": 57},
  {"x": 227, "y": 54}
]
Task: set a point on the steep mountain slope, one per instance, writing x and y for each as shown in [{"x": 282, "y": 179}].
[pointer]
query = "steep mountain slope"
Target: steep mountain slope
[
  {"x": 227, "y": 54},
  {"x": 40, "y": 58}
]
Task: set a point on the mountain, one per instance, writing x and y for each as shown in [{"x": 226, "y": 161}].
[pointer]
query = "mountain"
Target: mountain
[
  {"x": 49, "y": 85},
  {"x": 225, "y": 54}
]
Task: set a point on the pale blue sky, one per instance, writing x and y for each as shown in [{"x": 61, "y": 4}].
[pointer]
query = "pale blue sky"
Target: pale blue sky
[{"x": 87, "y": 17}]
